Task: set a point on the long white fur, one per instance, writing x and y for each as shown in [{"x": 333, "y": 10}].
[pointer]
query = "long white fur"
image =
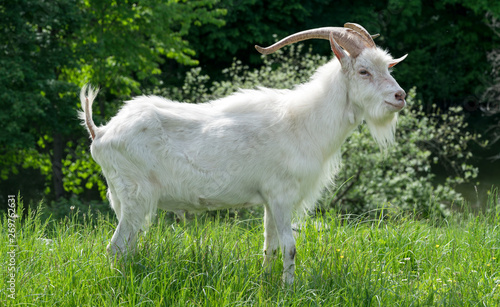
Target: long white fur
[{"x": 264, "y": 146}]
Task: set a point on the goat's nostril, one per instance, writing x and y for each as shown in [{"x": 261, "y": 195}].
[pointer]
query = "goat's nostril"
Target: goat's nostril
[{"x": 400, "y": 95}]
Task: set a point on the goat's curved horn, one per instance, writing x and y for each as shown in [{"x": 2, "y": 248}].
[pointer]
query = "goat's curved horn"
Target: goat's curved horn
[
  {"x": 368, "y": 39},
  {"x": 350, "y": 39},
  {"x": 319, "y": 33}
]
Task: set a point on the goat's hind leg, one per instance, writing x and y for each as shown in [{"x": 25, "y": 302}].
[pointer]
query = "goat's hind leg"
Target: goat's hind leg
[
  {"x": 114, "y": 201},
  {"x": 133, "y": 214},
  {"x": 124, "y": 239}
]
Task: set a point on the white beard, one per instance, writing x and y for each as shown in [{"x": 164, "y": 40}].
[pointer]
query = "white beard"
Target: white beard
[{"x": 383, "y": 130}]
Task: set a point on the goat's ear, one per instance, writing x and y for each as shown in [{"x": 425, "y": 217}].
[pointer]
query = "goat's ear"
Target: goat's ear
[
  {"x": 396, "y": 61},
  {"x": 339, "y": 52}
]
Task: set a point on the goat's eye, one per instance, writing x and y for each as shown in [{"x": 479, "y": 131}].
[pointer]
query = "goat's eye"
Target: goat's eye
[{"x": 364, "y": 72}]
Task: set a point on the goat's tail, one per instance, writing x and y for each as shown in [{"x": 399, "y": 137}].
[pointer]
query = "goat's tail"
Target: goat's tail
[{"x": 87, "y": 96}]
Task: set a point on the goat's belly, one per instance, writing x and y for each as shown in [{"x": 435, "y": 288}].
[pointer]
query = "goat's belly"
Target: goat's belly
[{"x": 201, "y": 203}]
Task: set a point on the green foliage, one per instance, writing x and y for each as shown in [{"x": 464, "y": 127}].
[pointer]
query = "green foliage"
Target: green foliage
[
  {"x": 34, "y": 49},
  {"x": 50, "y": 48},
  {"x": 447, "y": 42},
  {"x": 247, "y": 22},
  {"x": 81, "y": 172},
  {"x": 126, "y": 41},
  {"x": 401, "y": 176}
]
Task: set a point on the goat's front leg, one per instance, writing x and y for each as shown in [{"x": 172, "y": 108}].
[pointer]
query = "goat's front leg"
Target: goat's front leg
[
  {"x": 282, "y": 217},
  {"x": 271, "y": 240}
]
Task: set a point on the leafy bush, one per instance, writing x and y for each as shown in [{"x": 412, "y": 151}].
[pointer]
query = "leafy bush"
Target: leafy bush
[{"x": 400, "y": 176}]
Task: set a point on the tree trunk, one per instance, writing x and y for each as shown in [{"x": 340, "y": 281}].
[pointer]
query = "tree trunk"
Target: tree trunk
[{"x": 57, "y": 174}]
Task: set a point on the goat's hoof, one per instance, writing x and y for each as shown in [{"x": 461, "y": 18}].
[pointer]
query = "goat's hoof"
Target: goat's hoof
[
  {"x": 288, "y": 280},
  {"x": 111, "y": 251}
]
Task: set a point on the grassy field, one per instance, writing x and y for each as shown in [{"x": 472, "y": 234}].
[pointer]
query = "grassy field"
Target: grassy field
[{"x": 206, "y": 261}]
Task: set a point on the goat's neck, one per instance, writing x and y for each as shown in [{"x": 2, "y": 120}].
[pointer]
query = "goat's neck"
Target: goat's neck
[{"x": 330, "y": 117}]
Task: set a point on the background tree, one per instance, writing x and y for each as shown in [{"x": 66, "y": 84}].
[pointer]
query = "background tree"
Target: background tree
[
  {"x": 36, "y": 47},
  {"x": 491, "y": 96},
  {"x": 49, "y": 49}
]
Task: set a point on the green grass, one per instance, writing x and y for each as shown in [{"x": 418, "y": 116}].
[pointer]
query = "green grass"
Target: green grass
[{"x": 207, "y": 261}]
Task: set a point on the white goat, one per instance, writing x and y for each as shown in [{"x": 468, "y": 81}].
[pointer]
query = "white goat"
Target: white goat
[{"x": 273, "y": 147}]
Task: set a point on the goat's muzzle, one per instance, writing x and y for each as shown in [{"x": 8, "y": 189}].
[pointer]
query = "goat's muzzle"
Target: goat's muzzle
[{"x": 399, "y": 101}]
